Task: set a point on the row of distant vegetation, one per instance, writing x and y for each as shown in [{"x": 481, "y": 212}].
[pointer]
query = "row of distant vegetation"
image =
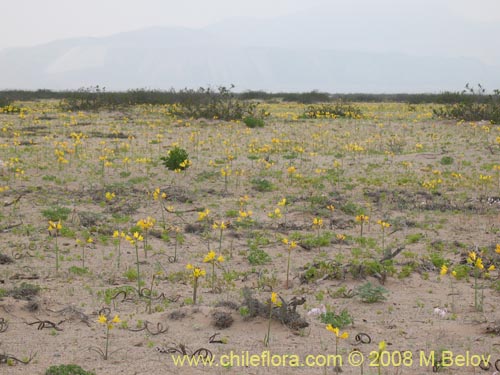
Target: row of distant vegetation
[{"x": 471, "y": 104}]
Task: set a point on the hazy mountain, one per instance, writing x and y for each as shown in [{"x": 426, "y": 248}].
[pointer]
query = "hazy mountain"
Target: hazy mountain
[{"x": 313, "y": 50}]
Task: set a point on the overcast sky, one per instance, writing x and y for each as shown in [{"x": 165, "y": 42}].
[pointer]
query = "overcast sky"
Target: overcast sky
[{"x": 31, "y": 22}]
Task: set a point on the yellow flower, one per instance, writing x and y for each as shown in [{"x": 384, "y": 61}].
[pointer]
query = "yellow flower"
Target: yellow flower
[
  {"x": 138, "y": 236},
  {"x": 102, "y": 319},
  {"x": 454, "y": 273},
  {"x": 491, "y": 268},
  {"x": 274, "y": 299},
  {"x": 362, "y": 218},
  {"x": 220, "y": 259},
  {"x": 444, "y": 270},
  {"x": 383, "y": 224},
  {"x": 479, "y": 263},
  {"x": 109, "y": 196},
  {"x": 55, "y": 226},
  {"x": 497, "y": 249},
  {"x": 381, "y": 346},
  {"x": 282, "y": 202},
  {"x": 318, "y": 222},
  {"x": 209, "y": 257},
  {"x": 198, "y": 272},
  {"x": 336, "y": 331},
  {"x": 472, "y": 257},
  {"x": 340, "y": 237},
  {"x": 189, "y": 266},
  {"x": 116, "y": 234},
  {"x": 116, "y": 319},
  {"x": 90, "y": 240},
  {"x": 331, "y": 207}
]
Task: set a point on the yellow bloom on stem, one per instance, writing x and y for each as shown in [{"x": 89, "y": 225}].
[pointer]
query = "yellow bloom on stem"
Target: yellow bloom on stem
[
  {"x": 220, "y": 259},
  {"x": 198, "y": 272},
  {"x": 116, "y": 319},
  {"x": 479, "y": 263},
  {"x": 282, "y": 202},
  {"x": 383, "y": 224},
  {"x": 340, "y": 237},
  {"x": 209, "y": 257},
  {"x": 491, "y": 268},
  {"x": 102, "y": 319},
  {"x": 444, "y": 270},
  {"x": 274, "y": 299},
  {"x": 317, "y": 222},
  {"x": 362, "y": 218},
  {"x": 336, "y": 331},
  {"x": 381, "y": 346},
  {"x": 497, "y": 249}
]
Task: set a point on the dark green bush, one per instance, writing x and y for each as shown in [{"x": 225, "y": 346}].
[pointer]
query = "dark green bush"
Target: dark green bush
[
  {"x": 337, "y": 320},
  {"x": 475, "y": 105},
  {"x": 176, "y": 159},
  {"x": 220, "y": 104},
  {"x": 67, "y": 370},
  {"x": 253, "y": 122},
  {"x": 333, "y": 110}
]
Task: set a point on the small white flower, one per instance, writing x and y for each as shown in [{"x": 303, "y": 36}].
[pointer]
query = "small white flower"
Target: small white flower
[
  {"x": 317, "y": 311},
  {"x": 440, "y": 312}
]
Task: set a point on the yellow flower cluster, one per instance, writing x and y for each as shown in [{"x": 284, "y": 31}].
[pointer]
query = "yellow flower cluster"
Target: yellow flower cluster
[
  {"x": 196, "y": 272},
  {"x": 203, "y": 214},
  {"x": 146, "y": 224},
  {"x": 337, "y": 333},
  {"x": 55, "y": 226},
  {"x": 362, "y": 218},
  {"x": 291, "y": 244},
  {"x": 212, "y": 257},
  {"x": 157, "y": 194},
  {"x": 103, "y": 319},
  {"x": 383, "y": 224}
]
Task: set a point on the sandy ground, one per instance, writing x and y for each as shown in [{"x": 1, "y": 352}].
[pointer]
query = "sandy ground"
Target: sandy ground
[{"x": 385, "y": 180}]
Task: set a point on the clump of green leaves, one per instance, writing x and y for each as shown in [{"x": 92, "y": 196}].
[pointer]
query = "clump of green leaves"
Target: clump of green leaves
[
  {"x": 253, "y": 122},
  {"x": 67, "y": 370},
  {"x": 262, "y": 185},
  {"x": 176, "y": 159},
  {"x": 370, "y": 293},
  {"x": 341, "y": 320},
  {"x": 56, "y": 213},
  {"x": 258, "y": 257}
]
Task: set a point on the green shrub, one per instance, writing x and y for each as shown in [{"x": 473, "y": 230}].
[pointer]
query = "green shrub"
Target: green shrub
[
  {"x": 220, "y": 104},
  {"x": 333, "y": 110},
  {"x": 446, "y": 160},
  {"x": 474, "y": 105},
  {"x": 253, "y": 122},
  {"x": 67, "y": 370},
  {"x": 337, "y": 320},
  {"x": 262, "y": 185},
  {"x": 370, "y": 293},
  {"x": 258, "y": 257},
  {"x": 176, "y": 159},
  {"x": 56, "y": 213}
]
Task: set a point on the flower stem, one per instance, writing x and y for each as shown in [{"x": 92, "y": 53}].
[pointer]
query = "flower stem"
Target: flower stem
[{"x": 138, "y": 271}]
